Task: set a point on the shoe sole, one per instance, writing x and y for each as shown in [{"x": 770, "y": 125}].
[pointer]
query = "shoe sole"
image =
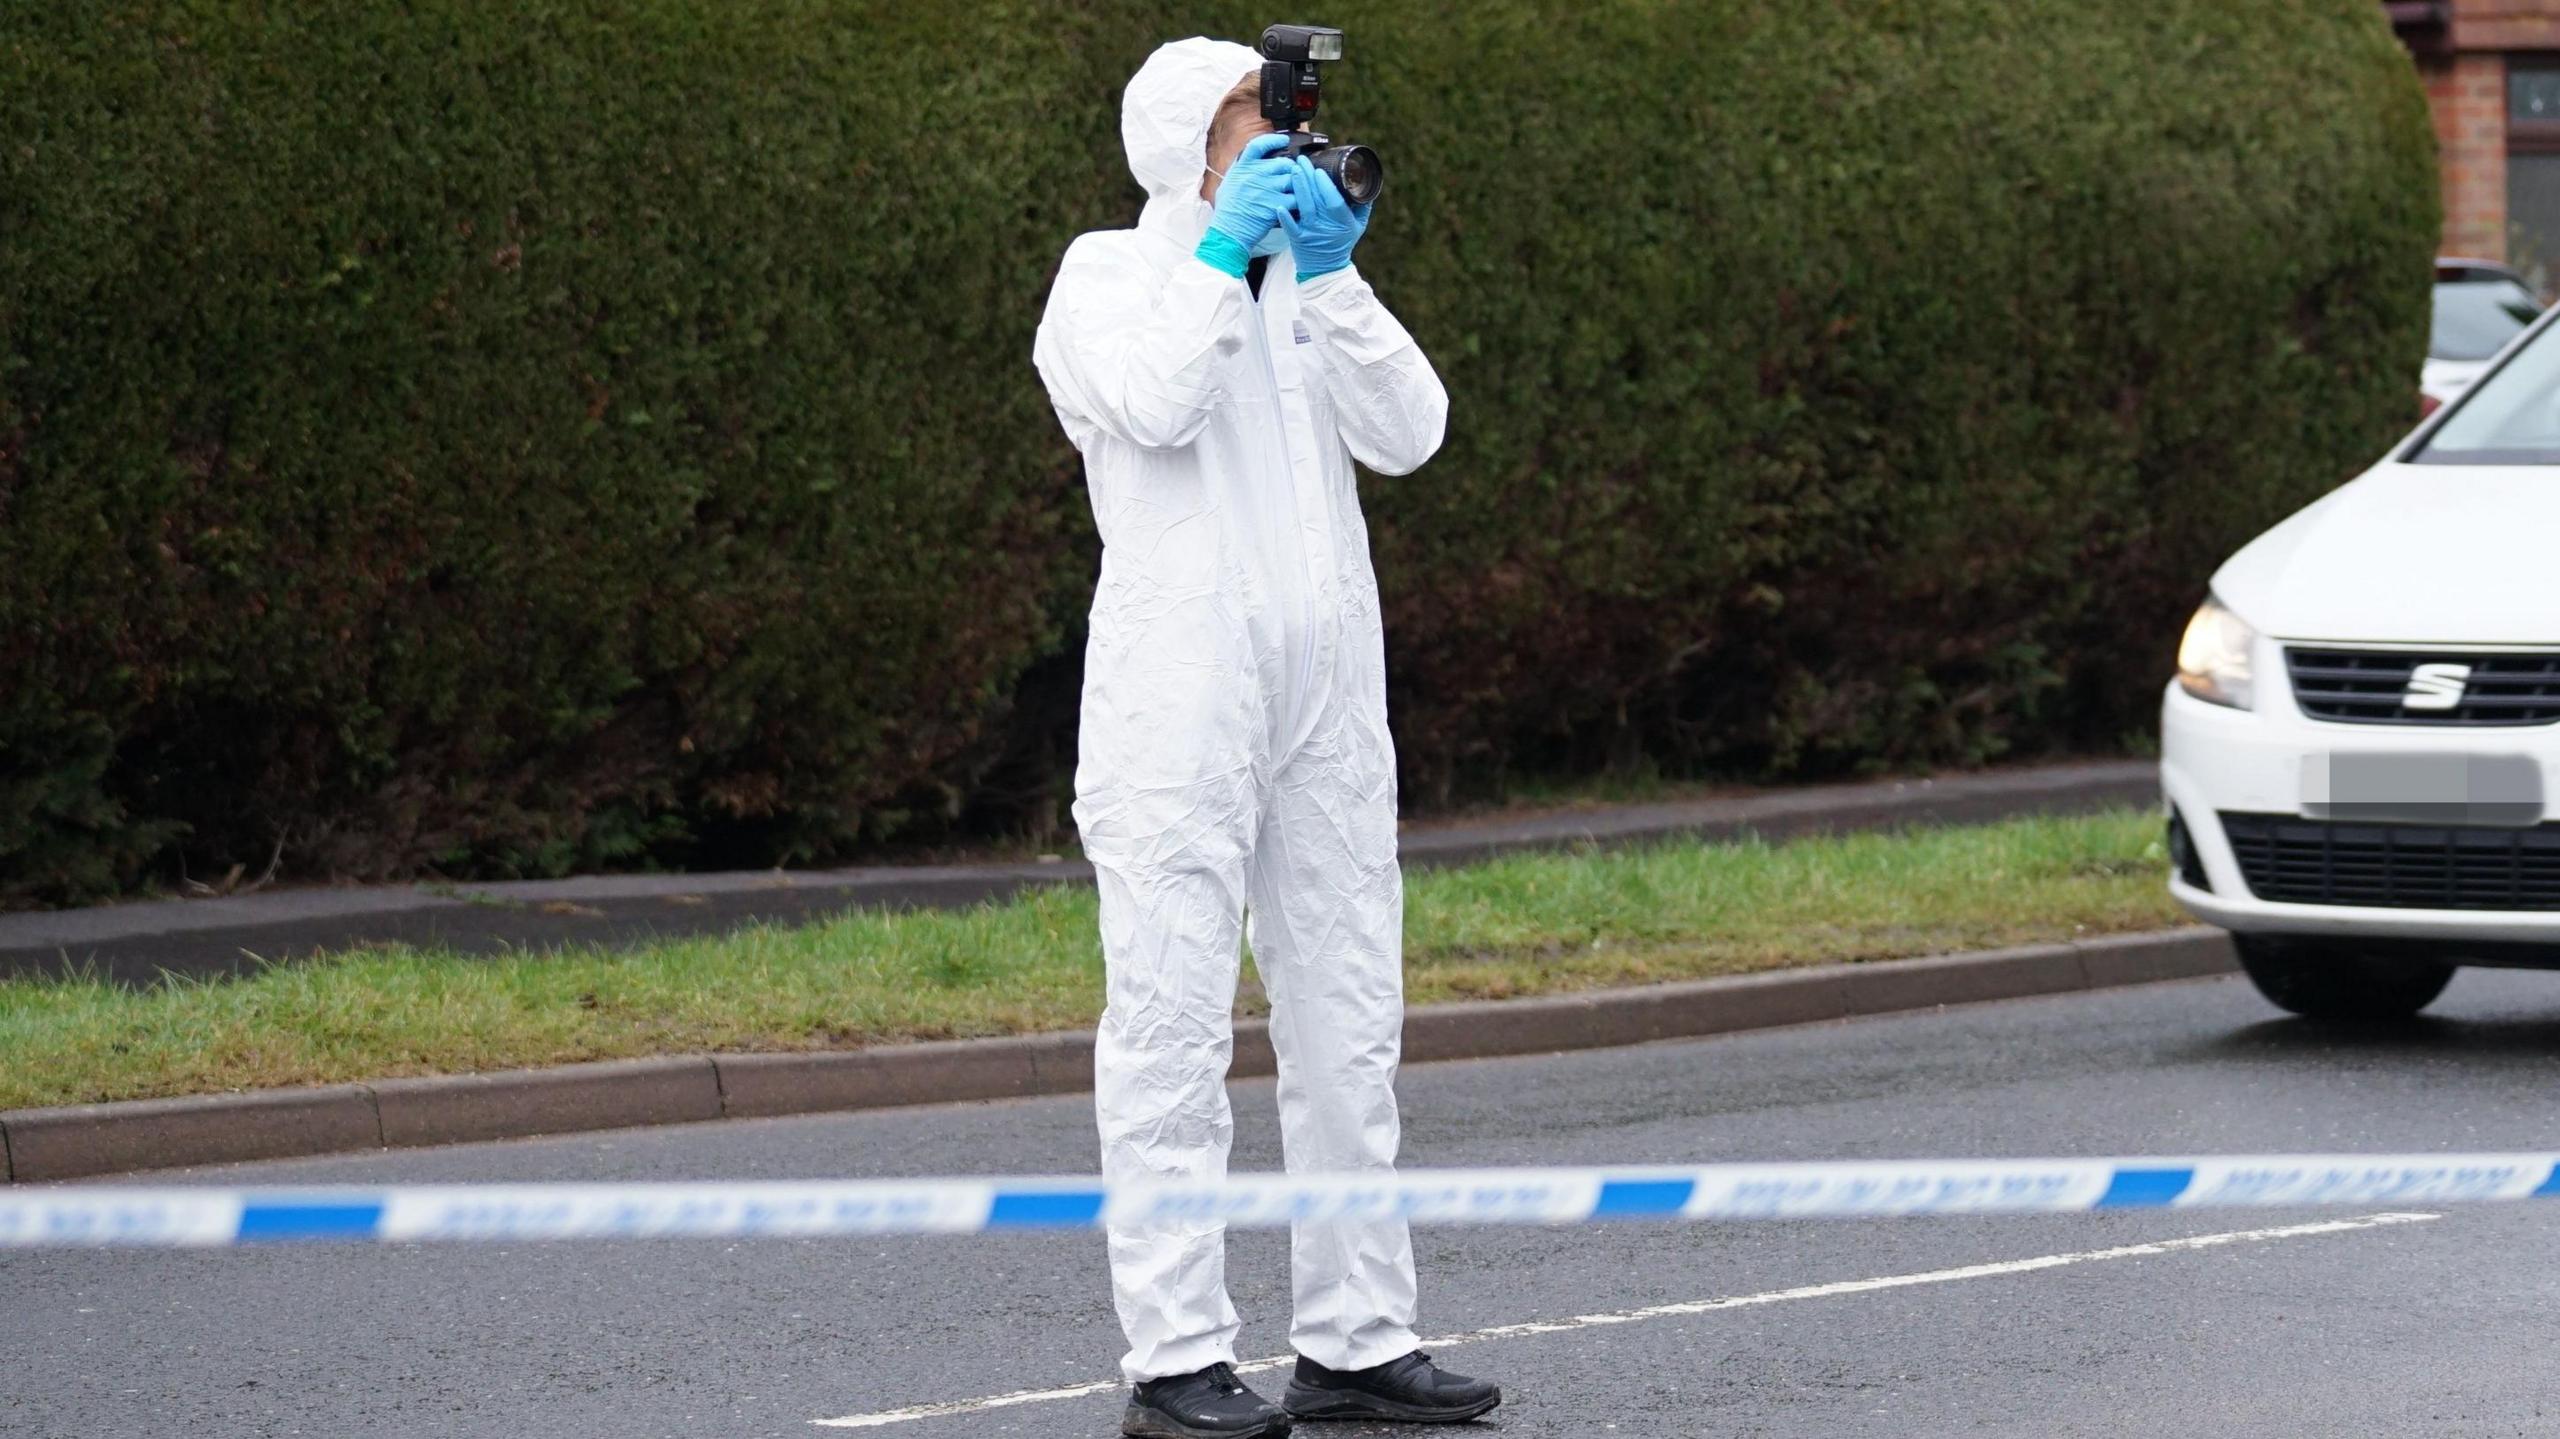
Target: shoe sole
[
  {"x": 1136, "y": 1423},
  {"x": 1339, "y": 1404}
]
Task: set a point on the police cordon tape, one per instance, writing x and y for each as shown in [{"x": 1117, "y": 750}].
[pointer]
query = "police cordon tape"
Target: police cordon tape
[{"x": 188, "y": 1217}]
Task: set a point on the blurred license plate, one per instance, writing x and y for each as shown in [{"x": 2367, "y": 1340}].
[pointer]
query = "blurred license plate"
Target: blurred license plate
[{"x": 2486, "y": 789}]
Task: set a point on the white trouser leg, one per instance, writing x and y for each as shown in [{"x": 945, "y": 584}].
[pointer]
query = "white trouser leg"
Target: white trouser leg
[
  {"x": 1327, "y": 925},
  {"x": 1169, "y": 939}
]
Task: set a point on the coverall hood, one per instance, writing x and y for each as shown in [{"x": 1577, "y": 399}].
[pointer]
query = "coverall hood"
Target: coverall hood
[{"x": 1164, "y": 123}]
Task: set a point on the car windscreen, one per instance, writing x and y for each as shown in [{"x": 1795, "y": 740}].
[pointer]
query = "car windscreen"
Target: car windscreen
[
  {"x": 2510, "y": 418},
  {"x": 2474, "y": 319}
]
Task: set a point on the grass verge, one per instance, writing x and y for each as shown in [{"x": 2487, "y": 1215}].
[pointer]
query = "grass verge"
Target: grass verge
[{"x": 1534, "y": 924}]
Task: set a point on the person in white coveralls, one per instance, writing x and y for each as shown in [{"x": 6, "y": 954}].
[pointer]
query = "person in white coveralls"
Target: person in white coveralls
[{"x": 1220, "y": 367}]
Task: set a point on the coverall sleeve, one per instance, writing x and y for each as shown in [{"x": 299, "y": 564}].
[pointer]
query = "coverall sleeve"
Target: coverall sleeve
[
  {"x": 1139, "y": 359},
  {"x": 1386, "y": 396}
]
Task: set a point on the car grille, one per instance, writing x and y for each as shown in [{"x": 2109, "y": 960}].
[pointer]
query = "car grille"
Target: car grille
[
  {"x": 2369, "y": 687},
  {"x": 2396, "y": 866}
]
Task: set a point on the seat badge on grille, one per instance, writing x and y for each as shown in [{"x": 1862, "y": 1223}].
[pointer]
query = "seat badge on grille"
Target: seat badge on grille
[{"x": 2436, "y": 687}]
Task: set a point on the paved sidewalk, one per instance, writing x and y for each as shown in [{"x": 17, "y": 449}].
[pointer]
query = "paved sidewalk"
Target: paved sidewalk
[{"x": 134, "y": 943}]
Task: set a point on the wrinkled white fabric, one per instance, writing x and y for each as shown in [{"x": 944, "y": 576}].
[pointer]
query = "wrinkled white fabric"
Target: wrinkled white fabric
[{"x": 1234, "y": 748}]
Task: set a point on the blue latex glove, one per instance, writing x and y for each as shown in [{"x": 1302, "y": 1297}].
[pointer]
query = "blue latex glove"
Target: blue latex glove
[
  {"x": 1253, "y": 198},
  {"x": 1324, "y": 226}
]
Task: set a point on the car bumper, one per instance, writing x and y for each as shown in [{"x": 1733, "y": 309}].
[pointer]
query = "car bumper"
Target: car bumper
[{"x": 2215, "y": 760}]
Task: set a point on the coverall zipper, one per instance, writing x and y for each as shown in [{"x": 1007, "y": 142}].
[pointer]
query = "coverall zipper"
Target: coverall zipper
[{"x": 1297, "y": 521}]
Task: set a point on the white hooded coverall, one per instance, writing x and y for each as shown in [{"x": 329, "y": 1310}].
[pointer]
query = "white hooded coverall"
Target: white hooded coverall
[{"x": 1234, "y": 755}]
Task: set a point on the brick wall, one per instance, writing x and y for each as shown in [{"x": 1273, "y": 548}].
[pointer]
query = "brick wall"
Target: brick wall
[
  {"x": 2506, "y": 25},
  {"x": 2468, "y": 93},
  {"x": 2463, "y": 50}
]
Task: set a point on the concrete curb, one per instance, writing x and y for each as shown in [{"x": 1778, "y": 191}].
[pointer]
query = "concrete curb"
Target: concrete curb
[
  {"x": 621, "y": 1094},
  {"x": 83, "y": 1139},
  {"x": 92, "y": 1139}
]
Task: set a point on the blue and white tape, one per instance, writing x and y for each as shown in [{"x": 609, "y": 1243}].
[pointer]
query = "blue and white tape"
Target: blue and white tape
[{"x": 189, "y": 1217}]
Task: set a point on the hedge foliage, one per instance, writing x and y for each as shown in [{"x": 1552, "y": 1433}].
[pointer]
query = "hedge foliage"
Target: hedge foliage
[{"x": 507, "y": 439}]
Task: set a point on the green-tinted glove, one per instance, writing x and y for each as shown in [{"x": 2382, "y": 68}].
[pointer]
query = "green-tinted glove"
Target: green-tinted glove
[{"x": 1253, "y": 198}]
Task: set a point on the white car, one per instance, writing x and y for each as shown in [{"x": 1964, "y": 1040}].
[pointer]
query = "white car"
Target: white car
[
  {"x": 2479, "y": 306},
  {"x": 2362, "y": 745}
]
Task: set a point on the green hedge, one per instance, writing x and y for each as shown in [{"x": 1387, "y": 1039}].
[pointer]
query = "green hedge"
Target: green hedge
[{"x": 504, "y": 440}]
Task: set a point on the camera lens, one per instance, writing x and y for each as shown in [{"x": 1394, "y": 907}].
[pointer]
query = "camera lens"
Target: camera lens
[
  {"x": 1356, "y": 169},
  {"x": 1358, "y": 175}
]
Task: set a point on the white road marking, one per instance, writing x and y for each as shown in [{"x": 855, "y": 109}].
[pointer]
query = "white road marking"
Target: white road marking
[{"x": 1695, "y": 1306}]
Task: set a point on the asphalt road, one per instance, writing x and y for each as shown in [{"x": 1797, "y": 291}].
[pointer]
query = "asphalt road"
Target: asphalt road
[{"x": 2441, "y": 1325}]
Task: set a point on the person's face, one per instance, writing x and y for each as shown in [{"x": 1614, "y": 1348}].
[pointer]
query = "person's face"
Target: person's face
[
  {"x": 1238, "y": 121},
  {"x": 1227, "y": 140}
]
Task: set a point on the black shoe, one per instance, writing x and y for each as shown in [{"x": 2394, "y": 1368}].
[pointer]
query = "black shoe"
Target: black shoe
[
  {"x": 1412, "y": 1389},
  {"x": 1212, "y": 1404}
]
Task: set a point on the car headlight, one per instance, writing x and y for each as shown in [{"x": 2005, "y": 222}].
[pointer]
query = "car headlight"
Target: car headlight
[{"x": 2213, "y": 658}]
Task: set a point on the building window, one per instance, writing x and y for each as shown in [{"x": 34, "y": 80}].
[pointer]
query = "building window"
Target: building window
[{"x": 2533, "y": 168}]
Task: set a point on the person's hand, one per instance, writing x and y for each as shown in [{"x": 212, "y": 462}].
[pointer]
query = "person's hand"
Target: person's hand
[
  {"x": 1252, "y": 199},
  {"x": 1325, "y": 225}
]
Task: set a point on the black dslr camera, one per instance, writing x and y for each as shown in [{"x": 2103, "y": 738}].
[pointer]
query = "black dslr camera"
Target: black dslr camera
[{"x": 1290, "y": 54}]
